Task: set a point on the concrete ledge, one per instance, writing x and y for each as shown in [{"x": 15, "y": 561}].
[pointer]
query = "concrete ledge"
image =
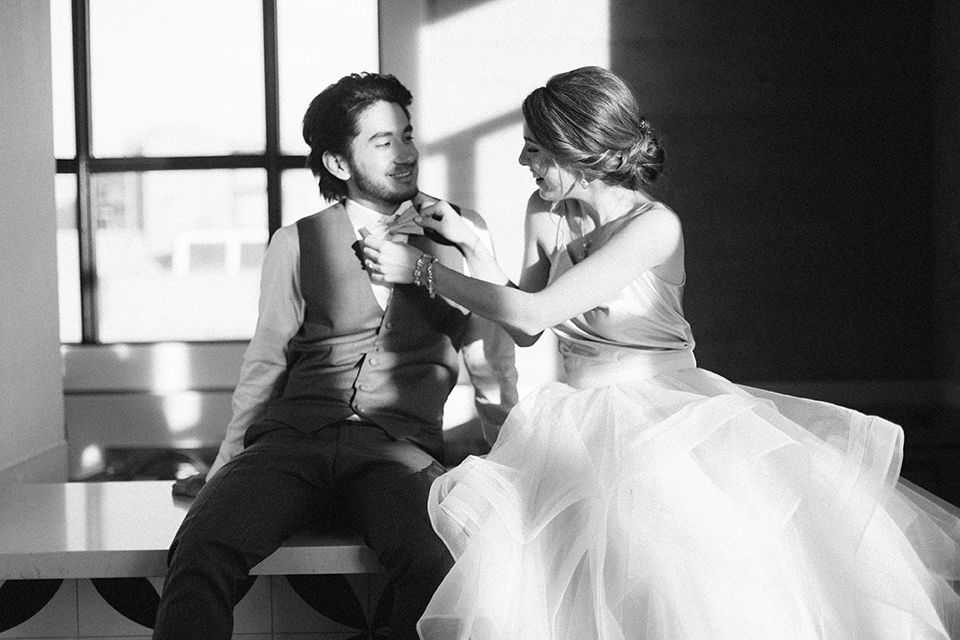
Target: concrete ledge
[
  {"x": 123, "y": 530},
  {"x": 47, "y": 465}
]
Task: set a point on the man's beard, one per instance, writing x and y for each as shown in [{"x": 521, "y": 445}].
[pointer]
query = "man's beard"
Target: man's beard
[{"x": 376, "y": 190}]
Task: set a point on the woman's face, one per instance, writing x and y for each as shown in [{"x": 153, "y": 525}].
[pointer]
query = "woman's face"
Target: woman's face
[{"x": 553, "y": 181}]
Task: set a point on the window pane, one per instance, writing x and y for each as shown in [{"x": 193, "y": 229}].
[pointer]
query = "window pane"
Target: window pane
[
  {"x": 61, "y": 49},
  {"x": 179, "y": 254},
  {"x": 68, "y": 258},
  {"x": 319, "y": 41},
  {"x": 179, "y": 77},
  {"x": 301, "y": 195}
]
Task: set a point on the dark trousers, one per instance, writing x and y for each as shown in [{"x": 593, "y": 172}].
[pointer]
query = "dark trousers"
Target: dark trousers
[{"x": 286, "y": 481}]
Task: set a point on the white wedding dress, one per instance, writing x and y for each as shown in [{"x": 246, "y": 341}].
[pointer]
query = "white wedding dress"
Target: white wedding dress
[{"x": 649, "y": 499}]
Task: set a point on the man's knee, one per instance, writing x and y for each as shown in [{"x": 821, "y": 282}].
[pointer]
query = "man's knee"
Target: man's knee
[{"x": 422, "y": 556}]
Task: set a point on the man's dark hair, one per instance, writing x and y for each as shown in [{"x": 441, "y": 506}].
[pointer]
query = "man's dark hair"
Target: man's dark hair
[{"x": 331, "y": 121}]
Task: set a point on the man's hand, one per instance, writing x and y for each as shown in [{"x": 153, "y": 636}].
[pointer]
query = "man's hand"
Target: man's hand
[{"x": 190, "y": 486}]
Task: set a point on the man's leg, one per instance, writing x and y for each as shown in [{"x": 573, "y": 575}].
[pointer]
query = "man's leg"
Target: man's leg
[
  {"x": 386, "y": 490},
  {"x": 269, "y": 491}
]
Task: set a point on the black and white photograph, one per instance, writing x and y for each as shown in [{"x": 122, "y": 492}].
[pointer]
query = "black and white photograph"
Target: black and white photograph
[{"x": 479, "y": 320}]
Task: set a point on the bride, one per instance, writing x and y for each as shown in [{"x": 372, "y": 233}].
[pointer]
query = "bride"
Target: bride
[{"x": 646, "y": 497}]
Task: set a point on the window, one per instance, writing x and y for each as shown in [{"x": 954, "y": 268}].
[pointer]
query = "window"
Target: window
[{"x": 177, "y": 136}]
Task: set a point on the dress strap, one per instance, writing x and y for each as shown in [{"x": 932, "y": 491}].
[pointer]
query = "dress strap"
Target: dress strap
[{"x": 630, "y": 215}]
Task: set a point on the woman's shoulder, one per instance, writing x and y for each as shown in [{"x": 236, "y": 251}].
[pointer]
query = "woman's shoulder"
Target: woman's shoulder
[
  {"x": 539, "y": 210},
  {"x": 536, "y": 204},
  {"x": 654, "y": 207},
  {"x": 658, "y": 226},
  {"x": 542, "y": 217},
  {"x": 652, "y": 213}
]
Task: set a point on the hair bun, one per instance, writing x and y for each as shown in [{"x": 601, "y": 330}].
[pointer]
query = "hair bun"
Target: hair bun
[{"x": 646, "y": 156}]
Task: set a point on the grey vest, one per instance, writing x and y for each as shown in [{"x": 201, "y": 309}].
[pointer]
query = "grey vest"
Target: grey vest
[{"x": 393, "y": 368}]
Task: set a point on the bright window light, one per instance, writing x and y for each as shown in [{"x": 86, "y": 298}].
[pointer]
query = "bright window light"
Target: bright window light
[{"x": 177, "y": 77}]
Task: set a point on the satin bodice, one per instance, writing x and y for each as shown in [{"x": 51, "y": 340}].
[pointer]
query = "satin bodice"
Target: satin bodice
[{"x": 643, "y": 325}]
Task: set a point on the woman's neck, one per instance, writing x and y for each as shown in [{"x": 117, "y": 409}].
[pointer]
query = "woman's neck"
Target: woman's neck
[{"x": 604, "y": 202}]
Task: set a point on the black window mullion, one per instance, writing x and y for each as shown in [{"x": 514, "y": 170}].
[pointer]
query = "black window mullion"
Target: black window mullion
[
  {"x": 272, "y": 113},
  {"x": 176, "y": 163},
  {"x": 89, "y": 311},
  {"x": 292, "y": 162},
  {"x": 85, "y": 166}
]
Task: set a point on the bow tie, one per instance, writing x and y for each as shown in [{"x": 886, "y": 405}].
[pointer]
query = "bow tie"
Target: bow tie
[
  {"x": 403, "y": 222},
  {"x": 398, "y": 223}
]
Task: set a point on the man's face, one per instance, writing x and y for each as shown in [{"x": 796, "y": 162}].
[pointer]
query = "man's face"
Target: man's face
[{"x": 383, "y": 159}]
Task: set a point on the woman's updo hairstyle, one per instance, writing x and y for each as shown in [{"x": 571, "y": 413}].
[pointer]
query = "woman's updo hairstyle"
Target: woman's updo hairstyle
[{"x": 589, "y": 121}]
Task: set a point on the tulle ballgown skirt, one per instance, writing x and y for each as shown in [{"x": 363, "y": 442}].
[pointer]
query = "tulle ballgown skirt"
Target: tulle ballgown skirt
[{"x": 682, "y": 506}]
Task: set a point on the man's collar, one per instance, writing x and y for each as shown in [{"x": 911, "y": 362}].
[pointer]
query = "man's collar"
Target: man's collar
[
  {"x": 377, "y": 223},
  {"x": 354, "y": 208}
]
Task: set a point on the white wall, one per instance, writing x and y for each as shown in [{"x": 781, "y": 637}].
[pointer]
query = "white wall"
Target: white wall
[{"x": 32, "y": 442}]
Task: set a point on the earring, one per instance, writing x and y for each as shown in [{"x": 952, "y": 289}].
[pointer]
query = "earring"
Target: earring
[{"x": 583, "y": 183}]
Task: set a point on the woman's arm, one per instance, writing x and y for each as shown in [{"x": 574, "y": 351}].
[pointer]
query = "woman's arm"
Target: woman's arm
[
  {"x": 468, "y": 231},
  {"x": 647, "y": 241},
  {"x": 539, "y": 238},
  {"x": 540, "y": 230}
]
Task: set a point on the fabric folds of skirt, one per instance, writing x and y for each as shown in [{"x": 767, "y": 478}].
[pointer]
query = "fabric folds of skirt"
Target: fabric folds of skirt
[{"x": 684, "y": 506}]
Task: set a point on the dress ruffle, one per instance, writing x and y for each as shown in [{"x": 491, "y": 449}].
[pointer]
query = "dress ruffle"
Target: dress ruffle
[{"x": 683, "y": 506}]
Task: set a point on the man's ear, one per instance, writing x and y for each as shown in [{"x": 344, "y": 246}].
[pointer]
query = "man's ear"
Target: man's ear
[{"x": 336, "y": 164}]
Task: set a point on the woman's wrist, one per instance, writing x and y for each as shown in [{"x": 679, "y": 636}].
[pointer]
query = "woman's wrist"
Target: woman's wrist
[
  {"x": 469, "y": 247},
  {"x": 423, "y": 273}
]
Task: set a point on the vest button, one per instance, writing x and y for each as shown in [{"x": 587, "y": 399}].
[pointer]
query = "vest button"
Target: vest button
[{"x": 373, "y": 362}]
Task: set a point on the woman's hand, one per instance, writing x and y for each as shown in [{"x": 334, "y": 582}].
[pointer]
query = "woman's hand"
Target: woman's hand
[
  {"x": 388, "y": 261},
  {"x": 439, "y": 216}
]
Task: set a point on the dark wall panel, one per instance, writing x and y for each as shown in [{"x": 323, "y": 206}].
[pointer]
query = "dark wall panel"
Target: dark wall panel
[{"x": 799, "y": 158}]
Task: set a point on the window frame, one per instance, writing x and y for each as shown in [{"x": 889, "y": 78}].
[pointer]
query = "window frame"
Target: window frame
[{"x": 84, "y": 165}]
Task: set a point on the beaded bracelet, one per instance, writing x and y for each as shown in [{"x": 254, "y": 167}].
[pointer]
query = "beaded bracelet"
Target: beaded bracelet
[
  {"x": 418, "y": 271},
  {"x": 431, "y": 288},
  {"x": 423, "y": 273}
]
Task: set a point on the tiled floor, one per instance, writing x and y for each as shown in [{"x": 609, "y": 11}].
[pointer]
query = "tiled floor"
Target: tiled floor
[{"x": 332, "y": 607}]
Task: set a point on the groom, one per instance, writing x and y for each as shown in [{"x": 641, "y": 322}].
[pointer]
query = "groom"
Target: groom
[{"x": 338, "y": 411}]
